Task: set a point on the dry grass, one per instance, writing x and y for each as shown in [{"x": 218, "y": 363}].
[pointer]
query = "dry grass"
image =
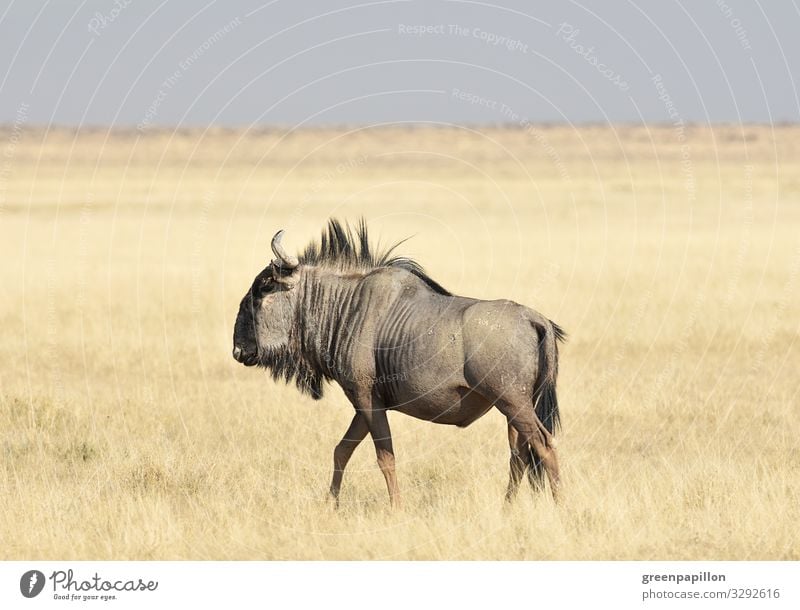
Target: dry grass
[{"x": 128, "y": 432}]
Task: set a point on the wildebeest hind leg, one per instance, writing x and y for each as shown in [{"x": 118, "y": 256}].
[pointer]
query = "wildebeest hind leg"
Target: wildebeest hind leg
[
  {"x": 533, "y": 432},
  {"x": 535, "y": 468},
  {"x": 517, "y": 462},
  {"x": 344, "y": 450}
]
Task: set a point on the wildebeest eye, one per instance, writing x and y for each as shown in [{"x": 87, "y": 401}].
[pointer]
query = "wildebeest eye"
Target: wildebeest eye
[{"x": 263, "y": 286}]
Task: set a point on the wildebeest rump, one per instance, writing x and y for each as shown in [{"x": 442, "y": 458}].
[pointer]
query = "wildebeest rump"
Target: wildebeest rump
[{"x": 395, "y": 340}]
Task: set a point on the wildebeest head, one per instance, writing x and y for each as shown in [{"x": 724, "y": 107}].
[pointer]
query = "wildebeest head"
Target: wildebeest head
[
  {"x": 263, "y": 324},
  {"x": 286, "y": 318}
]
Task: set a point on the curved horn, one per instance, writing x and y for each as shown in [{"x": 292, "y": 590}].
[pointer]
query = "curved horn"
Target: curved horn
[{"x": 287, "y": 261}]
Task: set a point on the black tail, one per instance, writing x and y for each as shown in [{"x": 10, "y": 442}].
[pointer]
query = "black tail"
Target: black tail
[{"x": 545, "y": 400}]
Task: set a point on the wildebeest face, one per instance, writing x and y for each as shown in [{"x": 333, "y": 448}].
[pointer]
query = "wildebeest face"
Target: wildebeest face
[{"x": 264, "y": 318}]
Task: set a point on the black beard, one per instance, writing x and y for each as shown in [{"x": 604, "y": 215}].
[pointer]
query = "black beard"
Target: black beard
[{"x": 284, "y": 364}]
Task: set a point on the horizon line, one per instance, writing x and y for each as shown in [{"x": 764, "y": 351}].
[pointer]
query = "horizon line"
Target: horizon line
[{"x": 510, "y": 125}]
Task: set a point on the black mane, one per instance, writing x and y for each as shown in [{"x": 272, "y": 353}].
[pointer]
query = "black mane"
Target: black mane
[{"x": 343, "y": 247}]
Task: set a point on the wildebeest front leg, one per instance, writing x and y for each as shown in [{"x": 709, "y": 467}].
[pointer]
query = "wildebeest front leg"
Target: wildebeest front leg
[
  {"x": 344, "y": 450},
  {"x": 517, "y": 462},
  {"x": 382, "y": 437}
]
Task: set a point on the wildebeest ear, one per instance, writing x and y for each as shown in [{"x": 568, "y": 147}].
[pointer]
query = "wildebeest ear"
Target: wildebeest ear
[{"x": 281, "y": 274}]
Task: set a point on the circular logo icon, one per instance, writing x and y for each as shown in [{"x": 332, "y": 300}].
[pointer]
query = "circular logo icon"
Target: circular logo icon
[{"x": 31, "y": 583}]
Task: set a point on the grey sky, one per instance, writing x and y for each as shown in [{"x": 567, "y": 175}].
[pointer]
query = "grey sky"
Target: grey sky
[{"x": 242, "y": 62}]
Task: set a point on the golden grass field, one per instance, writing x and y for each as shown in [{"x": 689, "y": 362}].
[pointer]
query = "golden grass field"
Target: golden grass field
[{"x": 128, "y": 431}]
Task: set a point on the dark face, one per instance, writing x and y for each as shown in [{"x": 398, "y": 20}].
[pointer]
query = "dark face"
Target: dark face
[{"x": 264, "y": 319}]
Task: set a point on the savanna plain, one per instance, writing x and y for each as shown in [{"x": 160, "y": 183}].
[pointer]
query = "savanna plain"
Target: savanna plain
[{"x": 671, "y": 257}]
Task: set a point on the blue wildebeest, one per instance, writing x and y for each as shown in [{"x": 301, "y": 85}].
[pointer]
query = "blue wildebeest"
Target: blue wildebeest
[{"x": 395, "y": 340}]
